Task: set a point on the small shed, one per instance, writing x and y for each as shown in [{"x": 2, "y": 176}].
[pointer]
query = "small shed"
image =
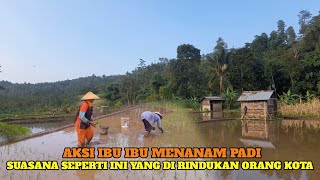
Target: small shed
[
  {"x": 260, "y": 104},
  {"x": 211, "y": 103}
]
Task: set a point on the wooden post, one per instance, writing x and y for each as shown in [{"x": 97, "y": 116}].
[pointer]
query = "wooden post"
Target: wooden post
[
  {"x": 253, "y": 109},
  {"x": 265, "y": 109}
]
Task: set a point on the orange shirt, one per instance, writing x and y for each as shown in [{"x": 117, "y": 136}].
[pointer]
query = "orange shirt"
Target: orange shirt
[{"x": 83, "y": 108}]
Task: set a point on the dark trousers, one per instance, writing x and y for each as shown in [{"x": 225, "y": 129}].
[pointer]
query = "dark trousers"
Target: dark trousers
[{"x": 147, "y": 125}]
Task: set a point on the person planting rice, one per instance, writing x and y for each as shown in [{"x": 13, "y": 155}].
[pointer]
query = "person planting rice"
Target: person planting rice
[
  {"x": 149, "y": 118},
  {"x": 84, "y": 120}
]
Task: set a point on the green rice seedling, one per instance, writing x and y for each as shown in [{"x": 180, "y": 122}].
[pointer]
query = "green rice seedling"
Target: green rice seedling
[{"x": 10, "y": 131}]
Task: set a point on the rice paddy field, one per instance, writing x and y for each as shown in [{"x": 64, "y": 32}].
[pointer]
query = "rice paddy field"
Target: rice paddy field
[
  {"x": 310, "y": 109},
  {"x": 280, "y": 140}
]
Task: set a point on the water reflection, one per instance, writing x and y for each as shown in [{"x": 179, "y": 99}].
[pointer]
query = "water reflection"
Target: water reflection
[
  {"x": 287, "y": 140},
  {"x": 260, "y": 133},
  {"x": 212, "y": 115},
  {"x": 217, "y": 115},
  {"x": 40, "y": 127}
]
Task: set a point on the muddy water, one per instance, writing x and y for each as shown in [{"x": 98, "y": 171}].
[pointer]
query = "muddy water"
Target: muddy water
[
  {"x": 281, "y": 140},
  {"x": 40, "y": 127}
]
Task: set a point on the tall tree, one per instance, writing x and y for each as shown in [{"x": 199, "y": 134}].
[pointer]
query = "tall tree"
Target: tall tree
[
  {"x": 292, "y": 41},
  {"x": 281, "y": 32},
  {"x": 186, "y": 71},
  {"x": 291, "y": 35},
  {"x": 311, "y": 39},
  {"x": 156, "y": 82},
  {"x": 276, "y": 76},
  {"x": 129, "y": 88},
  {"x": 273, "y": 40},
  {"x": 113, "y": 92},
  {"x": 304, "y": 20},
  {"x": 260, "y": 45},
  {"x": 246, "y": 72},
  {"x": 219, "y": 63}
]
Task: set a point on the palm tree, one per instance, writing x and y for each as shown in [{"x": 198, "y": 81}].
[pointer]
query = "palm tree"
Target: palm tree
[
  {"x": 219, "y": 64},
  {"x": 218, "y": 71}
]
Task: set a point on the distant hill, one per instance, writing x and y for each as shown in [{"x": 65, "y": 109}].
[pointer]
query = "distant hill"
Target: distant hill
[{"x": 26, "y": 97}]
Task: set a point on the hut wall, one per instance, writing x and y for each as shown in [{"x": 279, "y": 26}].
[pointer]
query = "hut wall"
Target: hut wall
[
  {"x": 205, "y": 105},
  {"x": 216, "y": 106},
  {"x": 255, "y": 109},
  {"x": 272, "y": 107}
]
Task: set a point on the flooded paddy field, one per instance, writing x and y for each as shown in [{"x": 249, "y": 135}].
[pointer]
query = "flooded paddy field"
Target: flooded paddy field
[
  {"x": 280, "y": 140},
  {"x": 45, "y": 126}
]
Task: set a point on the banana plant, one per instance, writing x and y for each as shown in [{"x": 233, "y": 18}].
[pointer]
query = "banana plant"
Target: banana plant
[
  {"x": 229, "y": 96},
  {"x": 289, "y": 97},
  {"x": 309, "y": 96}
]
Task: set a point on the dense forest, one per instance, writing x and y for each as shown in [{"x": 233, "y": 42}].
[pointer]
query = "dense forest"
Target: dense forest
[{"x": 284, "y": 60}]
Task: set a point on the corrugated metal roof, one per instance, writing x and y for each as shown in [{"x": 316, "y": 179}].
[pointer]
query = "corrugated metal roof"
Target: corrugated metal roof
[
  {"x": 214, "y": 98},
  {"x": 256, "y": 95}
]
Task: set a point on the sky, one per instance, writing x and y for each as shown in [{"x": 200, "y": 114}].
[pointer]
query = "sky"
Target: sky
[{"x": 54, "y": 40}]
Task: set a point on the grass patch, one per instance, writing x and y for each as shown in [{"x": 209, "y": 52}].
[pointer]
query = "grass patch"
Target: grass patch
[
  {"x": 31, "y": 115},
  {"x": 10, "y": 131},
  {"x": 168, "y": 105}
]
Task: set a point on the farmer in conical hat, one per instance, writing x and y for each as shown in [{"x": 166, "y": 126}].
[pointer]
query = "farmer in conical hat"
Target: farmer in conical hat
[
  {"x": 84, "y": 120},
  {"x": 149, "y": 118}
]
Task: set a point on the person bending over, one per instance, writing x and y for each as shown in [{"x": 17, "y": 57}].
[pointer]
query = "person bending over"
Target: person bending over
[{"x": 149, "y": 118}]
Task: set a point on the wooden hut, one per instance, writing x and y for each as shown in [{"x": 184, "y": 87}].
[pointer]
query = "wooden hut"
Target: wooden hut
[
  {"x": 260, "y": 104},
  {"x": 212, "y": 103}
]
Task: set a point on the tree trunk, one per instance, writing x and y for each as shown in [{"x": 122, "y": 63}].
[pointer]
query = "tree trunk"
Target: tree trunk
[
  {"x": 221, "y": 84},
  {"x": 295, "y": 52},
  {"x": 291, "y": 79},
  {"x": 128, "y": 98}
]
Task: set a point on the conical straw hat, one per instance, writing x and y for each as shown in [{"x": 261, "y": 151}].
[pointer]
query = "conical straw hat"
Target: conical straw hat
[
  {"x": 89, "y": 95},
  {"x": 158, "y": 114}
]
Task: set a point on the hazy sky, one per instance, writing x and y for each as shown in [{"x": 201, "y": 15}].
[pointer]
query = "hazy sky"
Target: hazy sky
[{"x": 67, "y": 39}]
